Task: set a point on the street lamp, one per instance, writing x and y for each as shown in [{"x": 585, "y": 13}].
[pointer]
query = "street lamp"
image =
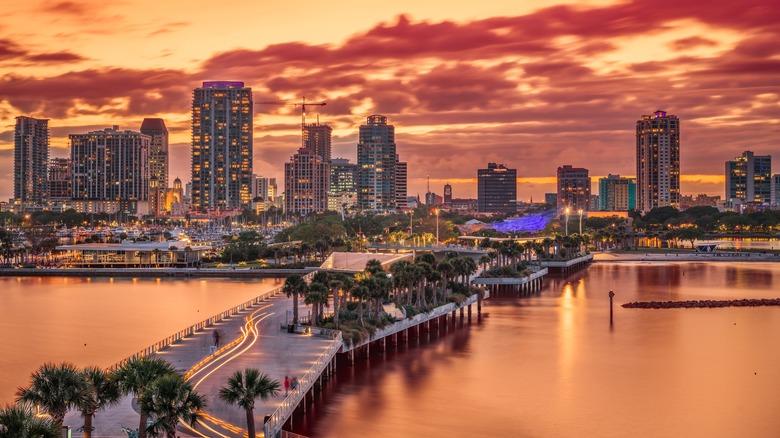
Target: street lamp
[
  {"x": 436, "y": 210},
  {"x": 580, "y": 213},
  {"x": 411, "y": 225},
  {"x": 567, "y": 221}
]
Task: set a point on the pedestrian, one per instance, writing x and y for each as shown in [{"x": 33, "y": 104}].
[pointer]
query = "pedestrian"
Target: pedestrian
[
  {"x": 216, "y": 338},
  {"x": 286, "y": 386},
  {"x": 294, "y": 383}
]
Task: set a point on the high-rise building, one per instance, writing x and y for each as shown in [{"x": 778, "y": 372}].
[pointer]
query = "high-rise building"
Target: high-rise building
[
  {"x": 748, "y": 178},
  {"x": 31, "y": 160},
  {"x": 158, "y": 149},
  {"x": 307, "y": 175},
  {"x": 551, "y": 199},
  {"x": 401, "y": 177},
  {"x": 447, "y": 195},
  {"x": 221, "y": 146},
  {"x": 273, "y": 190},
  {"x": 343, "y": 184},
  {"x": 376, "y": 159},
  {"x": 110, "y": 165},
  {"x": 496, "y": 189},
  {"x": 260, "y": 187},
  {"x": 617, "y": 193},
  {"x": 775, "y": 198},
  {"x": 59, "y": 179},
  {"x": 573, "y": 188},
  {"x": 657, "y": 161}
]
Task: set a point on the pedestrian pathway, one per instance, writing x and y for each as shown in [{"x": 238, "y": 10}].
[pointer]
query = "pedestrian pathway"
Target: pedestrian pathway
[{"x": 265, "y": 347}]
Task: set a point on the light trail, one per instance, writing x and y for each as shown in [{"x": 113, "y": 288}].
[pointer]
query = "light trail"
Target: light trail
[{"x": 231, "y": 352}]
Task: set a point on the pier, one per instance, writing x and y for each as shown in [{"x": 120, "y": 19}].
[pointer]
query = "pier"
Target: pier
[{"x": 566, "y": 266}]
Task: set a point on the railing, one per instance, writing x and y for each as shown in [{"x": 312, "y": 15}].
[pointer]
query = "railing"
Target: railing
[
  {"x": 275, "y": 423},
  {"x": 181, "y": 334}
]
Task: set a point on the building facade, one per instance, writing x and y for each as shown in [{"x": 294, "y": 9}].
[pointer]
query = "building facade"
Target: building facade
[
  {"x": 59, "y": 180},
  {"x": 222, "y": 146},
  {"x": 617, "y": 193},
  {"x": 401, "y": 177},
  {"x": 260, "y": 187},
  {"x": 573, "y": 188},
  {"x": 748, "y": 179},
  {"x": 376, "y": 160},
  {"x": 657, "y": 161},
  {"x": 496, "y": 189},
  {"x": 343, "y": 185},
  {"x": 307, "y": 174},
  {"x": 447, "y": 195},
  {"x": 158, "y": 163},
  {"x": 775, "y": 198},
  {"x": 110, "y": 165},
  {"x": 31, "y": 160}
]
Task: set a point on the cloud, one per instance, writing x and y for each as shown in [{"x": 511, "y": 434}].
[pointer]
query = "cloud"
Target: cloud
[{"x": 53, "y": 58}]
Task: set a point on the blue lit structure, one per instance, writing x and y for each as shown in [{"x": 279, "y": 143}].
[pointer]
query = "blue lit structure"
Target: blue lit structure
[{"x": 530, "y": 223}]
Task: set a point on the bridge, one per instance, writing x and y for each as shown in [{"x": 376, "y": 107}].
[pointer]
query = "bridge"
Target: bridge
[{"x": 460, "y": 249}]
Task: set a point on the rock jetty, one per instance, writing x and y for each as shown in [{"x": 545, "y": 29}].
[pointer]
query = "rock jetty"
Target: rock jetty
[{"x": 701, "y": 304}]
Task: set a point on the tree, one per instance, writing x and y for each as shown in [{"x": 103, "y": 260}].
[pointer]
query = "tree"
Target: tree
[
  {"x": 55, "y": 388},
  {"x": 99, "y": 392},
  {"x": 316, "y": 296},
  {"x": 21, "y": 422},
  {"x": 243, "y": 388},
  {"x": 167, "y": 399},
  {"x": 136, "y": 375},
  {"x": 690, "y": 233},
  {"x": 294, "y": 286}
]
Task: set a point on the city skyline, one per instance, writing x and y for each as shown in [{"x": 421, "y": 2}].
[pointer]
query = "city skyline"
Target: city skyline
[{"x": 520, "y": 85}]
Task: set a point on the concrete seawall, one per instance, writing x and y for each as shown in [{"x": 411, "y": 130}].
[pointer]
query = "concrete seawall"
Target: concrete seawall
[{"x": 155, "y": 272}]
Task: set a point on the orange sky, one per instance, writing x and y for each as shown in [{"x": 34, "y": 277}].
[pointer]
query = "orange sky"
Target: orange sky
[{"x": 534, "y": 85}]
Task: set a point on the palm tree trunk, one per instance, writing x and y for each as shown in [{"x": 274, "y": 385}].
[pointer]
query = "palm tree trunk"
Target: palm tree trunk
[
  {"x": 88, "y": 426},
  {"x": 142, "y": 424},
  {"x": 295, "y": 310},
  {"x": 250, "y": 423},
  {"x": 336, "y": 308}
]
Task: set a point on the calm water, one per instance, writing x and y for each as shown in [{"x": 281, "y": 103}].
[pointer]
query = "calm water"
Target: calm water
[
  {"x": 100, "y": 321},
  {"x": 551, "y": 366}
]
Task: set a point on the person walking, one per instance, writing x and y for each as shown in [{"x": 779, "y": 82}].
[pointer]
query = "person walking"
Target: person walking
[{"x": 286, "y": 386}]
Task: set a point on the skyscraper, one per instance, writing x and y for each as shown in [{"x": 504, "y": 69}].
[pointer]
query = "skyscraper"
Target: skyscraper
[
  {"x": 748, "y": 178},
  {"x": 158, "y": 163},
  {"x": 657, "y": 161},
  {"x": 110, "y": 165},
  {"x": 573, "y": 188},
  {"x": 376, "y": 159},
  {"x": 221, "y": 146},
  {"x": 775, "y": 198},
  {"x": 306, "y": 175},
  {"x": 496, "y": 189},
  {"x": 260, "y": 187},
  {"x": 617, "y": 193},
  {"x": 31, "y": 159}
]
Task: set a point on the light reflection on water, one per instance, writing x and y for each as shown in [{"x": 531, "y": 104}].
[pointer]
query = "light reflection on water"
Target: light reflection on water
[
  {"x": 550, "y": 365},
  {"x": 99, "y": 321}
]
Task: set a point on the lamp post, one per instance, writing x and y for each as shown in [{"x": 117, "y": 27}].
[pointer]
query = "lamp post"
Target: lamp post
[
  {"x": 580, "y": 213},
  {"x": 436, "y": 210},
  {"x": 567, "y": 221},
  {"x": 411, "y": 226}
]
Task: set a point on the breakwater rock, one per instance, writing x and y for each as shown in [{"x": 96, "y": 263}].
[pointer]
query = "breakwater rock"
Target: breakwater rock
[{"x": 702, "y": 304}]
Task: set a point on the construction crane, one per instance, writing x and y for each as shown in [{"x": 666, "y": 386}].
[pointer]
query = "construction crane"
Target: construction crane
[{"x": 301, "y": 104}]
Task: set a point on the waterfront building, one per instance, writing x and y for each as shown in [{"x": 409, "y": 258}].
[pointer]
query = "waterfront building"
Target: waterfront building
[
  {"x": 158, "y": 163},
  {"x": 130, "y": 254},
  {"x": 701, "y": 200},
  {"x": 31, "y": 160},
  {"x": 401, "y": 177},
  {"x": 377, "y": 159},
  {"x": 657, "y": 161},
  {"x": 343, "y": 185},
  {"x": 748, "y": 179},
  {"x": 617, "y": 193},
  {"x": 307, "y": 174},
  {"x": 111, "y": 165},
  {"x": 496, "y": 189},
  {"x": 59, "y": 180},
  {"x": 222, "y": 146},
  {"x": 573, "y": 188}
]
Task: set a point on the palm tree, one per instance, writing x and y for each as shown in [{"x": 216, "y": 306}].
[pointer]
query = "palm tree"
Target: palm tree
[
  {"x": 168, "y": 399},
  {"x": 100, "y": 392},
  {"x": 243, "y": 388},
  {"x": 446, "y": 269},
  {"x": 55, "y": 388},
  {"x": 316, "y": 295},
  {"x": 136, "y": 375},
  {"x": 361, "y": 291},
  {"x": 21, "y": 422},
  {"x": 295, "y": 286}
]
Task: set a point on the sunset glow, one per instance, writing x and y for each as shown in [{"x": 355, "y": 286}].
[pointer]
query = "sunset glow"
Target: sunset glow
[{"x": 534, "y": 85}]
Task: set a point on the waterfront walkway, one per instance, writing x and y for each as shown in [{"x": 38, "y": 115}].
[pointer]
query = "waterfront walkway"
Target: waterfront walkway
[{"x": 266, "y": 348}]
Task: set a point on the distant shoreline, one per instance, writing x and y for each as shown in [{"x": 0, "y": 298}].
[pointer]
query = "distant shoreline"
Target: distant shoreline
[{"x": 685, "y": 257}]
